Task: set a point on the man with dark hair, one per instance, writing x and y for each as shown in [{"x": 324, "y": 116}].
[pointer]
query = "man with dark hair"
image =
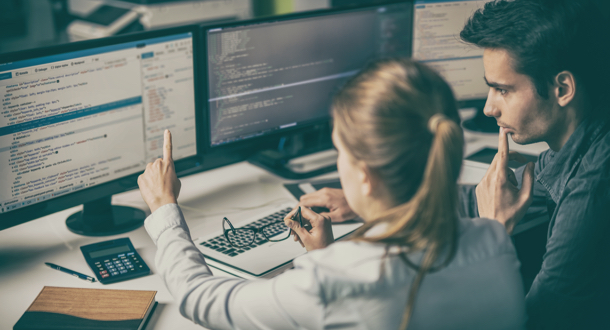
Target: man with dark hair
[{"x": 547, "y": 65}]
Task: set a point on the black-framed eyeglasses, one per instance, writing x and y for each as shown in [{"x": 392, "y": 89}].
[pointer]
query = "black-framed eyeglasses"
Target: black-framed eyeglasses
[{"x": 273, "y": 232}]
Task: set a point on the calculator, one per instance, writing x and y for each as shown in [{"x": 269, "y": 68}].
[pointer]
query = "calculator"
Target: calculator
[{"x": 115, "y": 260}]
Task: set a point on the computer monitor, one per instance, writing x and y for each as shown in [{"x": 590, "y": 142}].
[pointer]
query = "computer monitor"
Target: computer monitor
[
  {"x": 276, "y": 76},
  {"x": 436, "y": 42},
  {"x": 79, "y": 122}
]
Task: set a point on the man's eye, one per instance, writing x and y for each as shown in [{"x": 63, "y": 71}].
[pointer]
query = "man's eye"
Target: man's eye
[{"x": 502, "y": 91}]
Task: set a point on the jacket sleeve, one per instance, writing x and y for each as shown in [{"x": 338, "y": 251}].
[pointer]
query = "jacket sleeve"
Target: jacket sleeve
[
  {"x": 468, "y": 206},
  {"x": 538, "y": 208},
  {"x": 571, "y": 290}
]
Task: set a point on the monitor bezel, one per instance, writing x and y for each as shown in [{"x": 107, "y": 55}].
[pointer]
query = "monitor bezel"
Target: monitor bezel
[
  {"x": 129, "y": 182},
  {"x": 267, "y": 138}
]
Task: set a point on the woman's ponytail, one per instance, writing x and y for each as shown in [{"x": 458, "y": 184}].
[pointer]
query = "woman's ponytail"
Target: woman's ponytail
[{"x": 400, "y": 119}]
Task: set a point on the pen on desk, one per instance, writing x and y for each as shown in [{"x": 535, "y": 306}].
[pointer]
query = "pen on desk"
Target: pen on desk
[{"x": 71, "y": 272}]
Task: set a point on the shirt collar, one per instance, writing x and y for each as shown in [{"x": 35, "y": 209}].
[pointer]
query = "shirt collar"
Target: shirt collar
[{"x": 555, "y": 175}]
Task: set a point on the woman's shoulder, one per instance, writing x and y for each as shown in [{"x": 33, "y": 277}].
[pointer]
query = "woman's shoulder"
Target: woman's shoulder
[
  {"x": 479, "y": 239},
  {"x": 487, "y": 230},
  {"x": 482, "y": 239},
  {"x": 354, "y": 269},
  {"x": 346, "y": 261},
  {"x": 344, "y": 254},
  {"x": 358, "y": 267}
]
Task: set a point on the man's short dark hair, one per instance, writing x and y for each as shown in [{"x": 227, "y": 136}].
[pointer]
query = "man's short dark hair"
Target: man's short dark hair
[{"x": 545, "y": 37}]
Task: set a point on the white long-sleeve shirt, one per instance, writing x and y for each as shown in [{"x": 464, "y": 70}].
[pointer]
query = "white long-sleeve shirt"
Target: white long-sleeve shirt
[{"x": 343, "y": 286}]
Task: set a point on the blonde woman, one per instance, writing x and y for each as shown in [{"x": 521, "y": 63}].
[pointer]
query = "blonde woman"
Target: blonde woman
[{"x": 413, "y": 264}]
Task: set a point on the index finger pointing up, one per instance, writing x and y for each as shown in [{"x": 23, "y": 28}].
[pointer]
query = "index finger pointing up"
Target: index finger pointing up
[
  {"x": 503, "y": 148},
  {"x": 167, "y": 145}
]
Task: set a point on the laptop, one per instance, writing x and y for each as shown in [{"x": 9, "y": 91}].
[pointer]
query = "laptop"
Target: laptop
[{"x": 263, "y": 259}]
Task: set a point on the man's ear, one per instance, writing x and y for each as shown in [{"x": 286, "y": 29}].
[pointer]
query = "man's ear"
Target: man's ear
[{"x": 565, "y": 88}]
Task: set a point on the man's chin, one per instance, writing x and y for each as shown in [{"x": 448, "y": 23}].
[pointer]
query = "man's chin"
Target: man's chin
[{"x": 520, "y": 139}]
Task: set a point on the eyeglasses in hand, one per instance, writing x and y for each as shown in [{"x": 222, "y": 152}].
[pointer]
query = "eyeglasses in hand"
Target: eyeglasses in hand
[{"x": 273, "y": 232}]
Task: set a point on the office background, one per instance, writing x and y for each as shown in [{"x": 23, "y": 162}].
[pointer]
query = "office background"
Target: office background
[{"x": 28, "y": 24}]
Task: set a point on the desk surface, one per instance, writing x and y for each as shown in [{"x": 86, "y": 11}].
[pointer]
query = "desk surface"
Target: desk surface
[{"x": 236, "y": 190}]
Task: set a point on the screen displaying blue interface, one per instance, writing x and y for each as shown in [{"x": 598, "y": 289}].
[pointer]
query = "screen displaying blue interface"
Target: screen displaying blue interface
[{"x": 78, "y": 119}]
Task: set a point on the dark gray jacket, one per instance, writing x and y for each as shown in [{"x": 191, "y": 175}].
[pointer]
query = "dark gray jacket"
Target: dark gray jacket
[{"x": 572, "y": 290}]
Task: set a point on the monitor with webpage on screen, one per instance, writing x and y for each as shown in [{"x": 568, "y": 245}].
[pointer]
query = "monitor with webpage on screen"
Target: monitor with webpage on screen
[{"x": 79, "y": 122}]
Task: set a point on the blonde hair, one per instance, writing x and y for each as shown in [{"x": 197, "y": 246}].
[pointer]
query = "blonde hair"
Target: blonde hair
[{"x": 400, "y": 118}]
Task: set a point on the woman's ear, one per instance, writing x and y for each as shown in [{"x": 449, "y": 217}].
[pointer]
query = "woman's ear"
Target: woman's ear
[{"x": 366, "y": 179}]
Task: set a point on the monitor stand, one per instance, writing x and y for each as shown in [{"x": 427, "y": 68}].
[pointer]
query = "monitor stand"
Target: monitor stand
[
  {"x": 303, "y": 166},
  {"x": 481, "y": 123},
  {"x": 101, "y": 218}
]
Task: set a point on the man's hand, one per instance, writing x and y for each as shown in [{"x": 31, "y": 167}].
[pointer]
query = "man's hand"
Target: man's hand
[
  {"x": 319, "y": 236},
  {"x": 333, "y": 200},
  {"x": 159, "y": 184},
  {"x": 498, "y": 196}
]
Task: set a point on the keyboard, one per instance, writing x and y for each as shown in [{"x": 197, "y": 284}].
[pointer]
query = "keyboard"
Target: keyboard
[{"x": 220, "y": 243}]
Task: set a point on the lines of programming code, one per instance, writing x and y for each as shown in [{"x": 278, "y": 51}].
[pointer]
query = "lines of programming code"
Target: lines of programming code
[
  {"x": 51, "y": 94},
  {"x": 68, "y": 135},
  {"x": 235, "y": 79},
  {"x": 436, "y": 42},
  {"x": 273, "y": 75},
  {"x": 71, "y": 124},
  {"x": 167, "y": 85},
  {"x": 53, "y": 165}
]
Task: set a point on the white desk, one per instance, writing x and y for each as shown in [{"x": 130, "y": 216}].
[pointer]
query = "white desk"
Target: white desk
[
  {"x": 25, "y": 248},
  {"x": 206, "y": 198}
]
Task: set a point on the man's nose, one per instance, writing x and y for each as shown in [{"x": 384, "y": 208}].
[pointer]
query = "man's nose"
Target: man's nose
[{"x": 490, "y": 109}]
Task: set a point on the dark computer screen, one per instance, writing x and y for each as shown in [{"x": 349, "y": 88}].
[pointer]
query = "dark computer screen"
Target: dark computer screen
[
  {"x": 76, "y": 120},
  {"x": 268, "y": 76}
]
